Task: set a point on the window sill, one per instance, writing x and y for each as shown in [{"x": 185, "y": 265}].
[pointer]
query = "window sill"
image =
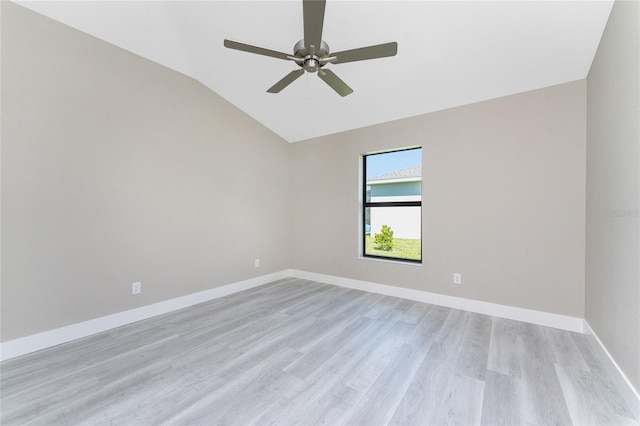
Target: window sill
[{"x": 398, "y": 261}]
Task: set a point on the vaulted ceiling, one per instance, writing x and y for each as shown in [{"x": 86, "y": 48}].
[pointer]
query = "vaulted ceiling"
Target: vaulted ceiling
[{"x": 450, "y": 53}]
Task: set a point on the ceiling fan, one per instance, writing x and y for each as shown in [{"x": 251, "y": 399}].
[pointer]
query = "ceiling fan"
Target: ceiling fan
[{"x": 312, "y": 54}]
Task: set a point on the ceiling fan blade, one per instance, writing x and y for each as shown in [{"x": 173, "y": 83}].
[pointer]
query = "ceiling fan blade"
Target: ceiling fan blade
[
  {"x": 287, "y": 80},
  {"x": 313, "y": 11},
  {"x": 334, "y": 81},
  {"x": 255, "y": 49},
  {"x": 364, "y": 53}
]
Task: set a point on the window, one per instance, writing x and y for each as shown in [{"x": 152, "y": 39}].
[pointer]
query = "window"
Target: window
[{"x": 392, "y": 207}]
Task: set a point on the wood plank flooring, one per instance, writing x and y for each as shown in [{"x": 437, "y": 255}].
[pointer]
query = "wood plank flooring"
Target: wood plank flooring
[{"x": 301, "y": 352}]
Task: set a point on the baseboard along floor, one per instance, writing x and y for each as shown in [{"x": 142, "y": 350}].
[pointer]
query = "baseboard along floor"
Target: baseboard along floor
[{"x": 301, "y": 351}]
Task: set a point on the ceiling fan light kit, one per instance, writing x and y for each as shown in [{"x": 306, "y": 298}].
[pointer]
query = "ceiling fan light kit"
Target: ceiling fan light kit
[{"x": 311, "y": 54}]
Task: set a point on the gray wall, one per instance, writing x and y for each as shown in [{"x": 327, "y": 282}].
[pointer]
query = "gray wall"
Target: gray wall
[
  {"x": 116, "y": 170},
  {"x": 613, "y": 189},
  {"x": 503, "y": 201}
]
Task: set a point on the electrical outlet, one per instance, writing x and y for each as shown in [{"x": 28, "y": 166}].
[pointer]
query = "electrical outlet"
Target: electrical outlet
[
  {"x": 457, "y": 278},
  {"x": 136, "y": 288},
  {"x": 257, "y": 263}
]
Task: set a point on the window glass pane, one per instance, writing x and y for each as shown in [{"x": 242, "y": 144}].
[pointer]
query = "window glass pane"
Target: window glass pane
[
  {"x": 403, "y": 222},
  {"x": 394, "y": 176},
  {"x": 392, "y": 213}
]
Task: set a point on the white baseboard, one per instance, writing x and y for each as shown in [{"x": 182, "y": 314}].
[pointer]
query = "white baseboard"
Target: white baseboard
[
  {"x": 46, "y": 339},
  {"x": 36, "y": 342},
  {"x": 563, "y": 322},
  {"x": 547, "y": 319},
  {"x": 28, "y": 344},
  {"x": 628, "y": 392}
]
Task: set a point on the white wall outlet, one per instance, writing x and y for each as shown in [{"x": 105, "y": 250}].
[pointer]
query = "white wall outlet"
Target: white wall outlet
[
  {"x": 457, "y": 278},
  {"x": 257, "y": 263},
  {"x": 136, "y": 288}
]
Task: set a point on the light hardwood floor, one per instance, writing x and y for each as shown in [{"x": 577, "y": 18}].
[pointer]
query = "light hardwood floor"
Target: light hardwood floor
[{"x": 301, "y": 352}]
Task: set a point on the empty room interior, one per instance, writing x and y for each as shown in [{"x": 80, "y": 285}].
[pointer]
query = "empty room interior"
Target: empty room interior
[{"x": 431, "y": 218}]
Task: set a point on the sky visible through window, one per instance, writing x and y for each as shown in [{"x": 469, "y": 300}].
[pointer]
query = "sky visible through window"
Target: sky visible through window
[{"x": 384, "y": 163}]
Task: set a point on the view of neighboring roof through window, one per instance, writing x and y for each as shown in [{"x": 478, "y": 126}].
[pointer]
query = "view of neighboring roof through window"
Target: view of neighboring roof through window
[{"x": 392, "y": 211}]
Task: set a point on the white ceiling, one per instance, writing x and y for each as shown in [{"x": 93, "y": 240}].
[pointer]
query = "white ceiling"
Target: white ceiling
[{"x": 450, "y": 53}]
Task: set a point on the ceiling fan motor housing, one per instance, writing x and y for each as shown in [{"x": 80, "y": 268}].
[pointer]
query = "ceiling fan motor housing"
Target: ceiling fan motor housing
[{"x": 311, "y": 57}]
